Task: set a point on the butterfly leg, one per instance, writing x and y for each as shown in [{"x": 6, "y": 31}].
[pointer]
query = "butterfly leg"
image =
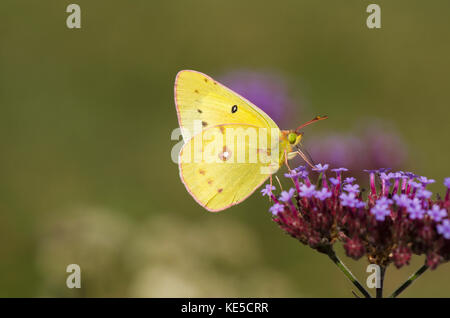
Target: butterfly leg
[
  {"x": 302, "y": 155},
  {"x": 279, "y": 183},
  {"x": 286, "y": 160}
]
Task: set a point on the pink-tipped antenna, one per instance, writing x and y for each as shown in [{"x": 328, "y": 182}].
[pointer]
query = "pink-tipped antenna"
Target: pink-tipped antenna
[{"x": 317, "y": 118}]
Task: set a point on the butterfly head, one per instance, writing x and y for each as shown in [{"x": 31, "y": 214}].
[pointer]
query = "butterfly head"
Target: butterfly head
[{"x": 294, "y": 138}]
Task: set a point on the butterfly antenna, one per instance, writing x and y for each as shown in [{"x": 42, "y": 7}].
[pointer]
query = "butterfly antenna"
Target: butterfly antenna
[{"x": 315, "y": 119}]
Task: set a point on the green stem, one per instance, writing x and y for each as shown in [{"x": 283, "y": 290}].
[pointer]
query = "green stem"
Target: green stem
[
  {"x": 409, "y": 281},
  {"x": 332, "y": 255},
  {"x": 319, "y": 180}
]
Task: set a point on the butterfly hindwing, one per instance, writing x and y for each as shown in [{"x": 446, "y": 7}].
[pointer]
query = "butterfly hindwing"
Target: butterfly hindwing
[{"x": 214, "y": 173}]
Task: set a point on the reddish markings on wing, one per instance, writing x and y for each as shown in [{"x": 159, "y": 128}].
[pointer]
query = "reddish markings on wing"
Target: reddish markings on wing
[
  {"x": 206, "y": 80},
  {"x": 219, "y": 190},
  {"x": 210, "y": 181},
  {"x": 204, "y": 123},
  {"x": 196, "y": 91},
  {"x": 201, "y": 171},
  {"x": 225, "y": 154}
]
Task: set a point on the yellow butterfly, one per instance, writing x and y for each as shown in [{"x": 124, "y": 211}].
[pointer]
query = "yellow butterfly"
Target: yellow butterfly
[{"x": 229, "y": 142}]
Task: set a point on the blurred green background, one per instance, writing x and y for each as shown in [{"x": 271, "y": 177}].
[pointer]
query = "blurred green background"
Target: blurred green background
[{"x": 85, "y": 123}]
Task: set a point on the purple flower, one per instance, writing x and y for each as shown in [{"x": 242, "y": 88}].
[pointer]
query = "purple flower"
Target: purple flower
[
  {"x": 436, "y": 213},
  {"x": 415, "y": 185},
  {"x": 299, "y": 172},
  {"x": 386, "y": 176},
  {"x": 285, "y": 196},
  {"x": 351, "y": 188},
  {"x": 267, "y": 190},
  {"x": 415, "y": 209},
  {"x": 397, "y": 175},
  {"x": 323, "y": 194},
  {"x": 306, "y": 191},
  {"x": 380, "y": 211},
  {"x": 293, "y": 174},
  {"x": 409, "y": 222},
  {"x": 339, "y": 169},
  {"x": 276, "y": 208},
  {"x": 402, "y": 200},
  {"x": 384, "y": 201},
  {"x": 348, "y": 199},
  {"x": 416, "y": 213},
  {"x": 423, "y": 194},
  {"x": 410, "y": 175},
  {"x": 447, "y": 182},
  {"x": 349, "y": 180},
  {"x": 319, "y": 168},
  {"x": 372, "y": 170},
  {"x": 444, "y": 229},
  {"x": 304, "y": 174},
  {"x": 360, "y": 204},
  {"x": 425, "y": 180},
  {"x": 333, "y": 181}
]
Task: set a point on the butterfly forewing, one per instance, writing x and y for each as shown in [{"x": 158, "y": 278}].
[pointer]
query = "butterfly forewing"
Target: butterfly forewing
[{"x": 202, "y": 100}]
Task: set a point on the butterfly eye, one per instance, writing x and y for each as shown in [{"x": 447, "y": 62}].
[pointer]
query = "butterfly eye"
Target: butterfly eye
[
  {"x": 234, "y": 109},
  {"x": 292, "y": 138}
]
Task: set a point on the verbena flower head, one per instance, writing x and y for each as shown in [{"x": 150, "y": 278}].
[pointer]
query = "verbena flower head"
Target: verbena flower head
[{"x": 387, "y": 224}]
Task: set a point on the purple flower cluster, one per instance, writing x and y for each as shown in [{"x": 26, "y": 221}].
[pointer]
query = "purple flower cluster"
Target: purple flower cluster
[{"x": 396, "y": 218}]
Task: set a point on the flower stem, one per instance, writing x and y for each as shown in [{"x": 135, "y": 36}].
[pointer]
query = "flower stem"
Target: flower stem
[
  {"x": 409, "y": 281},
  {"x": 332, "y": 255}
]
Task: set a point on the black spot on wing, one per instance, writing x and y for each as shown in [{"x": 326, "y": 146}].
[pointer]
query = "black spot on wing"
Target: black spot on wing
[{"x": 234, "y": 109}]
